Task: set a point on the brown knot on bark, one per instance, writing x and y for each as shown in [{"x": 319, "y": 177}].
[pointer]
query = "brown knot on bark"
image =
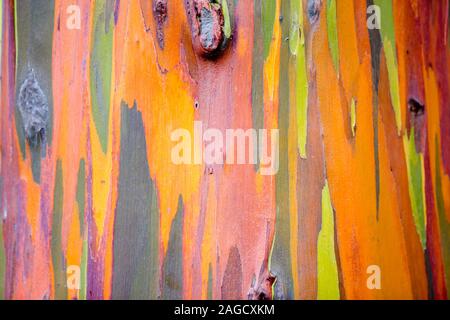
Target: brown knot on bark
[
  {"x": 207, "y": 26},
  {"x": 160, "y": 15},
  {"x": 418, "y": 122},
  {"x": 416, "y": 107}
]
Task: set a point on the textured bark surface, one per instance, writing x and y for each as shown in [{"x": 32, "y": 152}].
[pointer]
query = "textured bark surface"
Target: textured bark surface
[{"x": 86, "y": 173}]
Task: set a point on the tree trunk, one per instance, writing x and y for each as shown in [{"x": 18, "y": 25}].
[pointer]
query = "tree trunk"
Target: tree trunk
[{"x": 93, "y": 206}]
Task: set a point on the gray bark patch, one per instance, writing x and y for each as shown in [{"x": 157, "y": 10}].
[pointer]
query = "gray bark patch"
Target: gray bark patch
[
  {"x": 207, "y": 29},
  {"x": 313, "y": 10},
  {"x": 33, "y": 107}
]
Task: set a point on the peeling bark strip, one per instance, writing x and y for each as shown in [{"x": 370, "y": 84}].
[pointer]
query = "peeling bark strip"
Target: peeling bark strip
[
  {"x": 207, "y": 25},
  {"x": 263, "y": 291},
  {"x": 376, "y": 45}
]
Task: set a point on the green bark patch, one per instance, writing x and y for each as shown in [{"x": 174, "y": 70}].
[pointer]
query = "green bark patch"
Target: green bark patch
[
  {"x": 136, "y": 226},
  {"x": 58, "y": 257},
  {"x": 101, "y": 69},
  {"x": 333, "y": 33},
  {"x": 173, "y": 262},
  {"x": 268, "y": 8},
  {"x": 34, "y": 44}
]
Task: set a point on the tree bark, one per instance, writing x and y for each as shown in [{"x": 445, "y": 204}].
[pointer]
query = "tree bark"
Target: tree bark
[{"x": 87, "y": 178}]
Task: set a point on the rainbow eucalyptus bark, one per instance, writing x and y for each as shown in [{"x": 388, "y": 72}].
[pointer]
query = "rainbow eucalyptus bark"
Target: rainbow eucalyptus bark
[{"x": 93, "y": 206}]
